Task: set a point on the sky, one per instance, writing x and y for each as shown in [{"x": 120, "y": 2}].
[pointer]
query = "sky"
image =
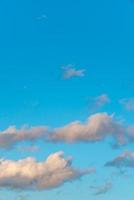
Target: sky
[{"x": 67, "y": 100}]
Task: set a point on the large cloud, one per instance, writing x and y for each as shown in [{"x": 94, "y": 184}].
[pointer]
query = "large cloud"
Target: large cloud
[
  {"x": 98, "y": 127},
  {"x": 12, "y": 135},
  {"x": 126, "y": 159},
  {"x": 32, "y": 175}
]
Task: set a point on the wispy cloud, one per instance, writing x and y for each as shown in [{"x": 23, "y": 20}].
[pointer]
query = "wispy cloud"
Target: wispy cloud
[
  {"x": 126, "y": 159},
  {"x": 70, "y": 71},
  {"x": 29, "y": 174},
  {"x": 128, "y": 103},
  {"x": 102, "y": 189},
  {"x": 98, "y": 102}
]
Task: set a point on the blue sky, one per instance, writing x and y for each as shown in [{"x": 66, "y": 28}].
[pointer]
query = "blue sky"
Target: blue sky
[{"x": 62, "y": 62}]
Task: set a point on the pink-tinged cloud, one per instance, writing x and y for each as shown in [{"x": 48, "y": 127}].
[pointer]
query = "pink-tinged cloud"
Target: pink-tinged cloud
[
  {"x": 12, "y": 135},
  {"x": 98, "y": 127},
  {"x": 28, "y": 174},
  {"x": 70, "y": 71}
]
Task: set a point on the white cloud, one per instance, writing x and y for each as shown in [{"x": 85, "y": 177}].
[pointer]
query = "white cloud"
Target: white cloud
[
  {"x": 70, "y": 71},
  {"x": 29, "y": 174},
  {"x": 97, "y": 127}
]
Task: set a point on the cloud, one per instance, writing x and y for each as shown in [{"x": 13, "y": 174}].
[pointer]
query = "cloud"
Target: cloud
[
  {"x": 128, "y": 103},
  {"x": 70, "y": 71},
  {"x": 97, "y": 127},
  {"x": 126, "y": 159},
  {"x": 103, "y": 189},
  {"x": 12, "y": 135},
  {"x": 28, "y": 174},
  {"x": 99, "y": 101}
]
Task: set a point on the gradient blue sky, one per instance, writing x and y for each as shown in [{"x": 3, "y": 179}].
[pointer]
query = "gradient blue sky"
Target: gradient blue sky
[{"x": 97, "y": 36}]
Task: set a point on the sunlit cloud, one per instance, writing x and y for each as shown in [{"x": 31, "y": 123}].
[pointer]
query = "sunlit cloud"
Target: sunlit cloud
[
  {"x": 11, "y": 136},
  {"x": 29, "y": 174},
  {"x": 29, "y": 148},
  {"x": 97, "y": 127}
]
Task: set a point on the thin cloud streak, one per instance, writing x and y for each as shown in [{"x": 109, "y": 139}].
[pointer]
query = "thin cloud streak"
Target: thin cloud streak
[{"x": 102, "y": 189}]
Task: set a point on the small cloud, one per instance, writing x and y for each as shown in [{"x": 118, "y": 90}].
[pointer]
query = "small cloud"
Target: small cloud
[
  {"x": 126, "y": 159},
  {"x": 99, "y": 101},
  {"x": 70, "y": 71},
  {"x": 128, "y": 103},
  {"x": 103, "y": 189}
]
